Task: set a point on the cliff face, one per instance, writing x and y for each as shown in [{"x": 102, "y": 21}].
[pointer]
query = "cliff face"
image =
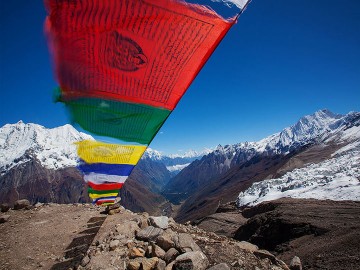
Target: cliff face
[
  {"x": 324, "y": 234},
  {"x": 36, "y": 183}
]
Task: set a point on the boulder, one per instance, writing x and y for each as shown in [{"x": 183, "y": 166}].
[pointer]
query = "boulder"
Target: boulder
[
  {"x": 149, "y": 234},
  {"x": 22, "y": 204},
  {"x": 4, "y": 207},
  {"x": 247, "y": 246},
  {"x": 161, "y": 265},
  {"x": 134, "y": 265},
  {"x": 4, "y": 218},
  {"x": 220, "y": 266},
  {"x": 142, "y": 222},
  {"x": 295, "y": 263},
  {"x": 191, "y": 260},
  {"x": 185, "y": 243},
  {"x": 170, "y": 255},
  {"x": 114, "y": 244},
  {"x": 157, "y": 251},
  {"x": 38, "y": 204},
  {"x": 161, "y": 222},
  {"x": 128, "y": 229},
  {"x": 165, "y": 240}
]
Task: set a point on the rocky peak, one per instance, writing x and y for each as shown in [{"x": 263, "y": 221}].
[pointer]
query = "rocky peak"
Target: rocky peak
[{"x": 53, "y": 148}]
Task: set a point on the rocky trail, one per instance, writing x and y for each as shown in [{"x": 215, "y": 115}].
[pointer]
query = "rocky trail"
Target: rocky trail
[
  {"x": 82, "y": 236},
  {"x": 324, "y": 234}
]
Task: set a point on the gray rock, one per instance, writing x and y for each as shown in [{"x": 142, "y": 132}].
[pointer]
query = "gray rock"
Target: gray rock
[
  {"x": 21, "y": 204},
  {"x": 161, "y": 265},
  {"x": 141, "y": 222},
  {"x": 191, "y": 260},
  {"x": 295, "y": 263},
  {"x": 149, "y": 234},
  {"x": 114, "y": 244},
  {"x": 161, "y": 222},
  {"x": 170, "y": 255},
  {"x": 165, "y": 240},
  {"x": 186, "y": 243},
  {"x": 247, "y": 246},
  {"x": 220, "y": 266},
  {"x": 4, "y": 207},
  {"x": 4, "y": 218},
  {"x": 38, "y": 204},
  {"x": 128, "y": 229},
  {"x": 157, "y": 251}
]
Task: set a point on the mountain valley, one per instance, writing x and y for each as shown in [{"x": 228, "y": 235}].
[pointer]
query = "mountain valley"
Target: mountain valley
[{"x": 39, "y": 164}]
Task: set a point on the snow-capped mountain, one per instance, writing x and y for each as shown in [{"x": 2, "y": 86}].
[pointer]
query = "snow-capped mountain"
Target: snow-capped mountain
[
  {"x": 38, "y": 164},
  {"x": 337, "y": 178},
  {"x": 309, "y": 129},
  {"x": 175, "y": 162},
  {"x": 53, "y": 148},
  {"x": 231, "y": 169}
]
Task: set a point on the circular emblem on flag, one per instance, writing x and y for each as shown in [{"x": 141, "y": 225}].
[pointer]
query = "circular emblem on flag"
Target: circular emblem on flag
[{"x": 124, "y": 53}]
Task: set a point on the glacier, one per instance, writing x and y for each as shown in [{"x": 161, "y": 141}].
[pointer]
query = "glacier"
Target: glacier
[{"x": 337, "y": 178}]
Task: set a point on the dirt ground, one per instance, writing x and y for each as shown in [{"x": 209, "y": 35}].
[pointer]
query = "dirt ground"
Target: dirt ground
[{"x": 40, "y": 238}]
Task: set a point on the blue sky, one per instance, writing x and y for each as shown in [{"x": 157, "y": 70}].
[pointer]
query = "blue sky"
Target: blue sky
[{"x": 282, "y": 60}]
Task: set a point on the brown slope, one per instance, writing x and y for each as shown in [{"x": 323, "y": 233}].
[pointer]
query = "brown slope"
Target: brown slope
[
  {"x": 324, "y": 234},
  {"x": 37, "y": 184},
  {"x": 138, "y": 198},
  {"x": 141, "y": 191},
  {"x": 227, "y": 187},
  {"x": 191, "y": 179}
]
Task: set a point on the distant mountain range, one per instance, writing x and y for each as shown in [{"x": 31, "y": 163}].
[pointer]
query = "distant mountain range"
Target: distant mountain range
[
  {"x": 220, "y": 176},
  {"x": 175, "y": 162},
  {"x": 39, "y": 164},
  {"x": 55, "y": 149}
]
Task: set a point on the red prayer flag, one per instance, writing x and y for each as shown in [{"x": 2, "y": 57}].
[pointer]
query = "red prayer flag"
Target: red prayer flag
[{"x": 146, "y": 51}]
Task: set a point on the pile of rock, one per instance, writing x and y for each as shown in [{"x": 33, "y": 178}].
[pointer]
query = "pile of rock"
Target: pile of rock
[
  {"x": 165, "y": 249},
  {"x": 140, "y": 241}
]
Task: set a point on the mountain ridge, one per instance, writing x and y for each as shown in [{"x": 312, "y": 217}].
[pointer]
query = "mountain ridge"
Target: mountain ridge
[
  {"x": 204, "y": 181},
  {"x": 236, "y": 167}
]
